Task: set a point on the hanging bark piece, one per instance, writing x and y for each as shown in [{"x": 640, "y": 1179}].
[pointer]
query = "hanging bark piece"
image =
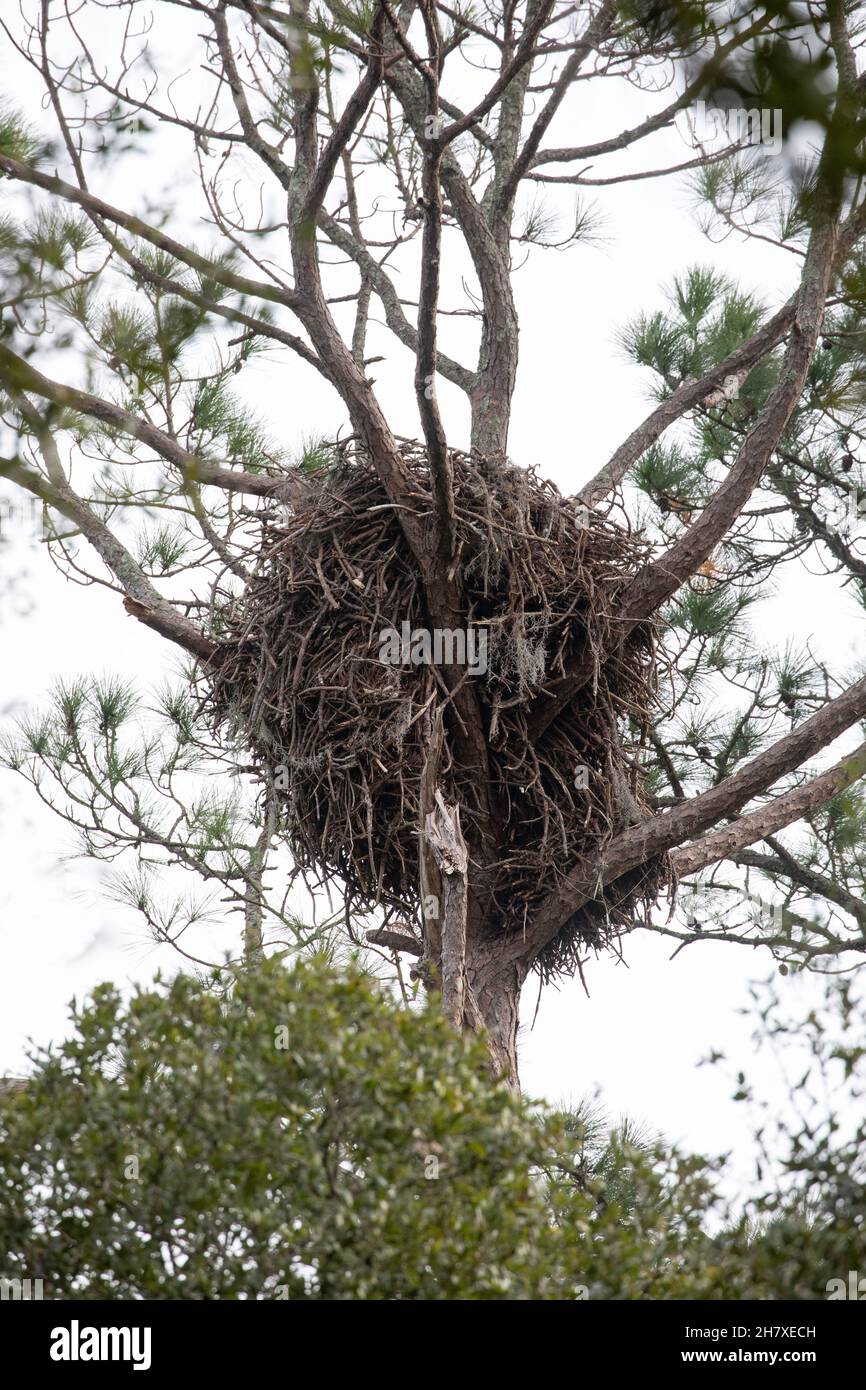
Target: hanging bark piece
[
  {"x": 442, "y": 833},
  {"x": 428, "y": 865}
]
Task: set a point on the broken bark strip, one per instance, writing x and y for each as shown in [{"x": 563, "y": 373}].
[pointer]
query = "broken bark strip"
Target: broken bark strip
[
  {"x": 429, "y": 876},
  {"x": 443, "y": 835}
]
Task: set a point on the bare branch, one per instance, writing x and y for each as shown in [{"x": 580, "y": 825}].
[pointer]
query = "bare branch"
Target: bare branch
[{"x": 597, "y": 30}]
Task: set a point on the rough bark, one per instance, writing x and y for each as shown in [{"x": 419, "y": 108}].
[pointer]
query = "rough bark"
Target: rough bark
[
  {"x": 495, "y": 984},
  {"x": 443, "y": 834}
]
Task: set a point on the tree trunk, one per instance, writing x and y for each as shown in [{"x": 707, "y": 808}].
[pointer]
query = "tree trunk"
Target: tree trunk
[
  {"x": 493, "y": 999},
  {"x": 480, "y": 984}
]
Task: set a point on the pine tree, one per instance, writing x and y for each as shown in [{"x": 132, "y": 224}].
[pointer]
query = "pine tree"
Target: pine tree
[{"x": 344, "y": 174}]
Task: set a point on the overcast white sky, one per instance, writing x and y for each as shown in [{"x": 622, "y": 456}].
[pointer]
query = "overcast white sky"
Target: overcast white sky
[{"x": 647, "y": 1022}]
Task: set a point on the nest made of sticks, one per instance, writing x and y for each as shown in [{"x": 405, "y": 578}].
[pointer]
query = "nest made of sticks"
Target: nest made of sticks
[{"x": 342, "y": 735}]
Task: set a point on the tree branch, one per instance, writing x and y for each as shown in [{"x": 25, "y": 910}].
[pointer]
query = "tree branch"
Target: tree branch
[
  {"x": 18, "y": 374},
  {"x": 214, "y": 270},
  {"x": 814, "y": 882},
  {"x": 142, "y": 600},
  {"x": 690, "y": 818},
  {"x": 728, "y": 840}
]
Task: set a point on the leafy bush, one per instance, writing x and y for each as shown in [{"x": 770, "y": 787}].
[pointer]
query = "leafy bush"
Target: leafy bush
[{"x": 303, "y": 1135}]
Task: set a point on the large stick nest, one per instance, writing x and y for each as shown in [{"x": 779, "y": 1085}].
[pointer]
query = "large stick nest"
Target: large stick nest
[{"x": 342, "y": 736}]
